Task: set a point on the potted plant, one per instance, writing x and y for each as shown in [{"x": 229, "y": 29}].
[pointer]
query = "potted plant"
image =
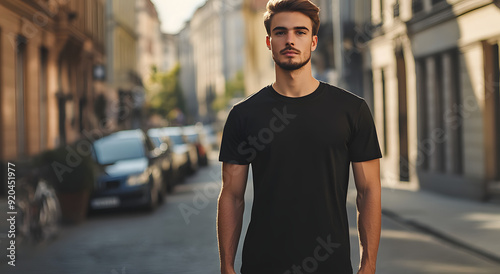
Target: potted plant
[{"x": 72, "y": 171}]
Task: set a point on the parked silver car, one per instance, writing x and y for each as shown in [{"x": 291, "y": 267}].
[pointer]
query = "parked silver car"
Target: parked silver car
[
  {"x": 176, "y": 134},
  {"x": 171, "y": 163}
]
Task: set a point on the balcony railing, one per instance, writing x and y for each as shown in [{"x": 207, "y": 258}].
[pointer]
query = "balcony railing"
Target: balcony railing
[{"x": 396, "y": 9}]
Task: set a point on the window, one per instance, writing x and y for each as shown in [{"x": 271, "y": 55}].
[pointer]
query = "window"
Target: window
[
  {"x": 439, "y": 117},
  {"x": 100, "y": 23},
  {"x": 492, "y": 109},
  {"x": 404, "y": 172},
  {"x": 109, "y": 150},
  {"x": 43, "y": 97},
  {"x": 396, "y": 9},
  {"x": 422, "y": 117},
  {"x": 88, "y": 17},
  {"x": 1, "y": 104},
  {"x": 452, "y": 116},
  {"x": 496, "y": 98},
  {"x": 384, "y": 109},
  {"x": 417, "y": 6},
  {"x": 438, "y": 105},
  {"x": 20, "y": 95},
  {"x": 435, "y": 2},
  {"x": 381, "y": 10}
]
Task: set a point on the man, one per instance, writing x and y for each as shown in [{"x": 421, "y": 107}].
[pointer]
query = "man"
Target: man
[{"x": 300, "y": 135}]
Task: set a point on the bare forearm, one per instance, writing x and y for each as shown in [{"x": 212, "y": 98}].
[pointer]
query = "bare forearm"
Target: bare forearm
[
  {"x": 369, "y": 227},
  {"x": 229, "y": 222}
]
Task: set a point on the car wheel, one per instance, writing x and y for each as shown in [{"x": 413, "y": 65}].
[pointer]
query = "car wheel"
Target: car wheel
[
  {"x": 170, "y": 184},
  {"x": 169, "y": 181},
  {"x": 153, "y": 199},
  {"x": 205, "y": 160},
  {"x": 162, "y": 193}
]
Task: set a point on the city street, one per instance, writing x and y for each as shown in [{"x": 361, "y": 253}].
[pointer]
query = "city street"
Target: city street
[{"x": 180, "y": 237}]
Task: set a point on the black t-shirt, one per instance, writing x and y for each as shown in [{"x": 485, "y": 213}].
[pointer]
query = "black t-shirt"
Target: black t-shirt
[{"x": 300, "y": 150}]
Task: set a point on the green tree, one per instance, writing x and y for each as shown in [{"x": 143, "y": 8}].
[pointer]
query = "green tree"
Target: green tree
[
  {"x": 234, "y": 88},
  {"x": 164, "y": 92}
]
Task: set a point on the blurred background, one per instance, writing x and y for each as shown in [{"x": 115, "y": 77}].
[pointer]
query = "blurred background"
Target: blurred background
[{"x": 149, "y": 83}]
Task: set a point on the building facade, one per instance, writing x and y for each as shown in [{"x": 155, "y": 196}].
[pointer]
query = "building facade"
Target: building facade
[
  {"x": 217, "y": 35},
  {"x": 259, "y": 65},
  {"x": 435, "y": 79},
  {"x": 149, "y": 42},
  {"x": 169, "y": 52},
  {"x": 48, "y": 53},
  {"x": 121, "y": 67},
  {"x": 187, "y": 74},
  {"x": 134, "y": 44}
]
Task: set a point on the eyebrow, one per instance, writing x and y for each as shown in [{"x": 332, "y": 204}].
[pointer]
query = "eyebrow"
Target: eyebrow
[{"x": 295, "y": 28}]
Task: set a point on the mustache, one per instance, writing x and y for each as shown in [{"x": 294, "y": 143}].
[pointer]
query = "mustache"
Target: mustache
[{"x": 289, "y": 48}]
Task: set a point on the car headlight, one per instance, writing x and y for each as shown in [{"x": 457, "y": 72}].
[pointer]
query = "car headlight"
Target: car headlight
[{"x": 139, "y": 179}]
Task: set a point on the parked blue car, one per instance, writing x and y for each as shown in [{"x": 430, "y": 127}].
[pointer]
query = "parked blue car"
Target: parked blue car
[{"x": 131, "y": 172}]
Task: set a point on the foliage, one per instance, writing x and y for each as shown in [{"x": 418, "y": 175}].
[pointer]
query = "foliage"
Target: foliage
[
  {"x": 69, "y": 168},
  {"x": 164, "y": 92},
  {"x": 234, "y": 88}
]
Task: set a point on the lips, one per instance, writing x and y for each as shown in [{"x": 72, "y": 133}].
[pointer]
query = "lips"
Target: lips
[{"x": 289, "y": 51}]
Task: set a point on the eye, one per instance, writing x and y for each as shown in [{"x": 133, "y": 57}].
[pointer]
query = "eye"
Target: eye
[
  {"x": 301, "y": 32},
  {"x": 279, "y": 33}
]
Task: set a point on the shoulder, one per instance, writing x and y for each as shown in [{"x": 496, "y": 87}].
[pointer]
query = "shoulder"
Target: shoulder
[
  {"x": 343, "y": 96},
  {"x": 252, "y": 101}
]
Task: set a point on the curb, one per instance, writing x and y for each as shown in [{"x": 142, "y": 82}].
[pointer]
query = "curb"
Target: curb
[{"x": 442, "y": 236}]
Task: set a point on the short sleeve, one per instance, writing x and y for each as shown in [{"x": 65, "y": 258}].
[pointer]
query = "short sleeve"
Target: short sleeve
[
  {"x": 363, "y": 144},
  {"x": 233, "y": 139}
]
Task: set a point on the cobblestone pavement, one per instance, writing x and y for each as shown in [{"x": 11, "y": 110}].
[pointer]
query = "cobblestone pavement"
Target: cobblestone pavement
[{"x": 180, "y": 237}]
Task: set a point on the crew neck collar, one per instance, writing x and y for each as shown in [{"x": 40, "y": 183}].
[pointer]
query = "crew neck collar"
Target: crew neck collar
[{"x": 317, "y": 92}]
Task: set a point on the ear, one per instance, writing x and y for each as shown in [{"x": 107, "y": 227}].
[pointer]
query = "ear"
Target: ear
[
  {"x": 268, "y": 42},
  {"x": 314, "y": 43}
]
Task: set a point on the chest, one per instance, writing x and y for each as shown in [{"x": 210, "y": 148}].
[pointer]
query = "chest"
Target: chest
[{"x": 288, "y": 128}]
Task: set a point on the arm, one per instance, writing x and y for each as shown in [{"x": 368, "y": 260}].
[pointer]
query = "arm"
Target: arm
[
  {"x": 230, "y": 213},
  {"x": 368, "y": 201}
]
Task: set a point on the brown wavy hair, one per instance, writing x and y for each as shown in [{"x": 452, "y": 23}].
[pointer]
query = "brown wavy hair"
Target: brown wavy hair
[{"x": 305, "y": 7}]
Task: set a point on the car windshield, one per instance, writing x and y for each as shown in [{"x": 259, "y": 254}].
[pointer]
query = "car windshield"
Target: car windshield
[
  {"x": 177, "y": 139},
  {"x": 109, "y": 151},
  {"x": 192, "y": 138}
]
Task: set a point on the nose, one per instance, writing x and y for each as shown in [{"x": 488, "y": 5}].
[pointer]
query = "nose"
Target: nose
[{"x": 290, "y": 39}]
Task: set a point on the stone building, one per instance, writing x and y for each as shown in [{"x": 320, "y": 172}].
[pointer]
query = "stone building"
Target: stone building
[
  {"x": 435, "y": 78},
  {"x": 149, "y": 38},
  {"x": 121, "y": 66},
  {"x": 169, "y": 52},
  {"x": 187, "y": 73},
  {"x": 259, "y": 65},
  {"x": 49, "y": 51},
  {"x": 217, "y": 37}
]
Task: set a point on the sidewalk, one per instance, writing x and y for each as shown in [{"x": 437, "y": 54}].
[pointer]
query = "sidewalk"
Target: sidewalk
[{"x": 469, "y": 224}]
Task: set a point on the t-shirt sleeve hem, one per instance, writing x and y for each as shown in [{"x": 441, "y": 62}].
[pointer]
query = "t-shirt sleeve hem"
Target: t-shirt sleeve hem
[
  {"x": 364, "y": 159},
  {"x": 232, "y": 161}
]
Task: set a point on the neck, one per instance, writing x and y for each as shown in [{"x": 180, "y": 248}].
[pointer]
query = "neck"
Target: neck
[{"x": 296, "y": 83}]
